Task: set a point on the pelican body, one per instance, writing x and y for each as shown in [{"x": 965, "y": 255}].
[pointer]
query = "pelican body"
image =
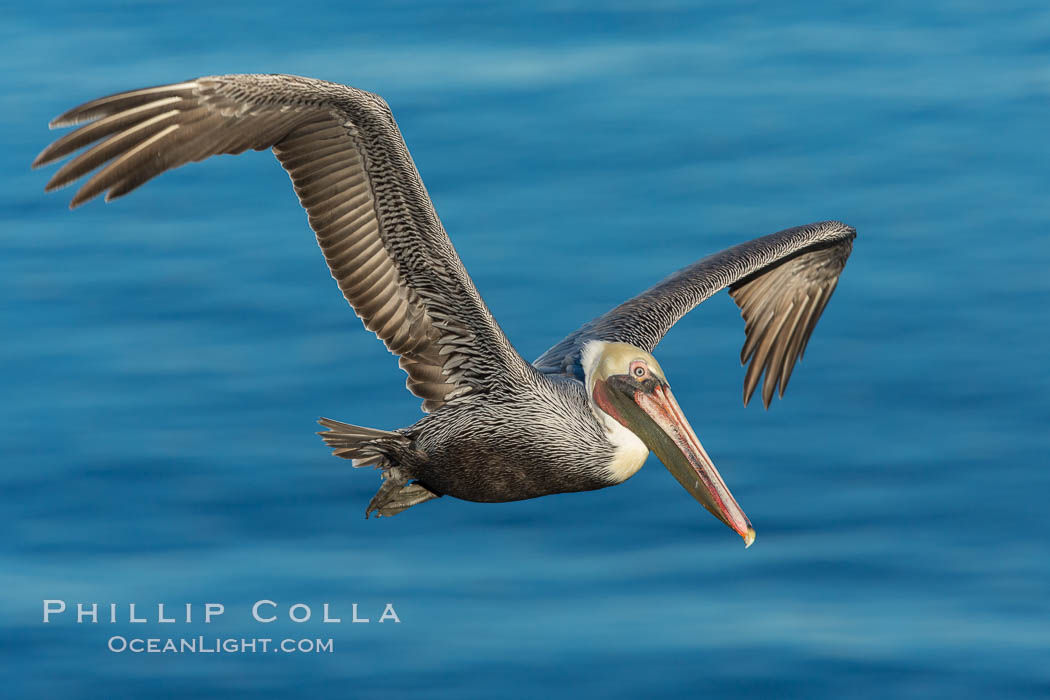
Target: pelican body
[{"x": 584, "y": 415}]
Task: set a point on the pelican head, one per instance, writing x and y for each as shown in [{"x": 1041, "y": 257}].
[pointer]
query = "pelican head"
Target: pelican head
[{"x": 626, "y": 384}]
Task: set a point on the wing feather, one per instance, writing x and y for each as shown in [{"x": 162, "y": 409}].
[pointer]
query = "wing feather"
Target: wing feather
[
  {"x": 781, "y": 305},
  {"x": 350, "y": 168},
  {"x": 781, "y": 282}
]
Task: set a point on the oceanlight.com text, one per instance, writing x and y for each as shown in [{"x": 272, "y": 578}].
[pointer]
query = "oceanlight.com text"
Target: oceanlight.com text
[{"x": 218, "y": 645}]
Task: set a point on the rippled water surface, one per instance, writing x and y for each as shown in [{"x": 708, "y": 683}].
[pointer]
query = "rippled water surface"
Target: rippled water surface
[{"x": 164, "y": 357}]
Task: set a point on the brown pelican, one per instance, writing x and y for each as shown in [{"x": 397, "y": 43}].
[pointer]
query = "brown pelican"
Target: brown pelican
[{"x": 585, "y": 415}]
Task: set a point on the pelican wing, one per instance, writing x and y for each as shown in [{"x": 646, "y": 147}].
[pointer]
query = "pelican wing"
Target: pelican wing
[
  {"x": 375, "y": 224},
  {"x": 781, "y": 282}
]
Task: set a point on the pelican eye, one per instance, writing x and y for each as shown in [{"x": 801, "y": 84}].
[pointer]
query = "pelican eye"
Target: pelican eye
[{"x": 638, "y": 370}]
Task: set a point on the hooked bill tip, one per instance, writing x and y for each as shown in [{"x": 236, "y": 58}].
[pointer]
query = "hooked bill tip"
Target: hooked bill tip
[{"x": 749, "y": 538}]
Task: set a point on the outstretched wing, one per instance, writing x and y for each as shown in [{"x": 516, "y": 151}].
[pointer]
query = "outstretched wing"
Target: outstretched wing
[
  {"x": 781, "y": 282},
  {"x": 374, "y": 221}
]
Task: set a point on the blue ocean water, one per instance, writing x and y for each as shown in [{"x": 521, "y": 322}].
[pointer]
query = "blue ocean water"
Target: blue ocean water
[{"x": 165, "y": 357}]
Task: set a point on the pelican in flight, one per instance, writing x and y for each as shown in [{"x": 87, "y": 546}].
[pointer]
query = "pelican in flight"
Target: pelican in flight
[{"x": 583, "y": 416}]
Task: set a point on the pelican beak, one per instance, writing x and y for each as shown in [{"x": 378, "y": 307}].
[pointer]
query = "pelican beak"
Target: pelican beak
[{"x": 662, "y": 426}]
